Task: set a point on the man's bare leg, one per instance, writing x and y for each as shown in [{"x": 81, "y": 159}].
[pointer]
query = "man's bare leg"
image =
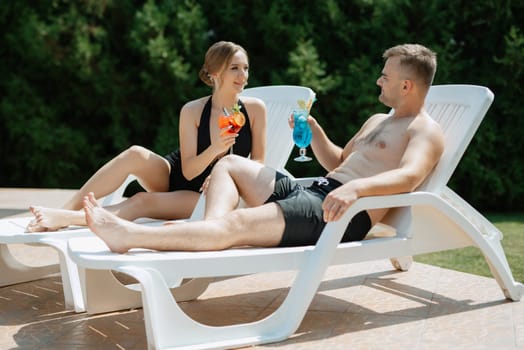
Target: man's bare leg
[
  {"x": 151, "y": 170},
  {"x": 261, "y": 226},
  {"x": 234, "y": 177}
]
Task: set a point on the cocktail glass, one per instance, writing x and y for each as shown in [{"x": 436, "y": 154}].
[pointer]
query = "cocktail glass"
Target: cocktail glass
[
  {"x": 301, "y": 133},
  {"x": 233, "y": 122}
]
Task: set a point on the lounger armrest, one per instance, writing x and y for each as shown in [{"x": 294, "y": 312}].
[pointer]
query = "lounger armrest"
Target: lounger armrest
[{"x": 337, "y": 228}]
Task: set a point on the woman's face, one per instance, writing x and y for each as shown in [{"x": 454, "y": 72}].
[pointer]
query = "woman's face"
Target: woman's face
[{"x": 235, "y": 75}]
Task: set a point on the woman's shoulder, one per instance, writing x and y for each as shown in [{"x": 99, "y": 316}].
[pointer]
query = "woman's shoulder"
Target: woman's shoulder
[
  {"x": 254, "y": 105},
  {"x": 194, "y": 107},
  {"x": 252, "y": 101},
  {"x": 199, "y": 103}
]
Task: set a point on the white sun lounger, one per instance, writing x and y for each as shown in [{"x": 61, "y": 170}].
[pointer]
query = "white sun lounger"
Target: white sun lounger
[
  {"x": 430, "y": 219},
  {"x": 280, "y": 100}
]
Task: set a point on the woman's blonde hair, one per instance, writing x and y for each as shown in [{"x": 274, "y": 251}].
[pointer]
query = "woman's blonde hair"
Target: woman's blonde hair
[{"x": 217, "y": 57}]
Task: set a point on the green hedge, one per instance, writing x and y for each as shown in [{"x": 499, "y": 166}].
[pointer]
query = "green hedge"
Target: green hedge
[{"x": 83, "y": 80}]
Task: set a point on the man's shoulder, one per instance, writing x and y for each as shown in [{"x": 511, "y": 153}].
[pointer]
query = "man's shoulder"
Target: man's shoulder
[
  {"x": 426, "y": 121},
  {"x": 377, "y": 117},
  {"x": 427, "y": 127}
]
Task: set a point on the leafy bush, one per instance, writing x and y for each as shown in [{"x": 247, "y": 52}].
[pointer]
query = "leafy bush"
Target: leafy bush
[{"x": 83, "y": 80}]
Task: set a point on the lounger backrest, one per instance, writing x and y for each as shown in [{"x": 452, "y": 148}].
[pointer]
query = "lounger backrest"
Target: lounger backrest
[
  {"x": 459, "y": 109},
  {"x": 280, "y": 101}
]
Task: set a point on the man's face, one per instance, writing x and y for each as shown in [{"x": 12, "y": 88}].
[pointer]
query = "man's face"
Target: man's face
[{"x": 390, "y": 81}]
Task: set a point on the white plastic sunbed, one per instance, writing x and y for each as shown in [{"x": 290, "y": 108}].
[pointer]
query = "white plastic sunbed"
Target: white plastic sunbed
[
  {"x": 430, "y": 219},
  {"x": 280, "y": 100}
]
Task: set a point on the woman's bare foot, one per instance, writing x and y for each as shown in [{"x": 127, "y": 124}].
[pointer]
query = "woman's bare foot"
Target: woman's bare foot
[
  {"x": 46, "y": 219},
  {"x": 113, "y": 230},
  {"x": 51, "y": 219},
  {"x": 174, "y": 222},
  {"x": 33, "y": 226}
]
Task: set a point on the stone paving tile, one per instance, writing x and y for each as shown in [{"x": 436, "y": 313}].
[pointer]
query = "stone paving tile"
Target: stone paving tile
[
  {"x": 380, "y": 312},
  {"x": 458, "y": 291},
  {"x": 258, "y": 290},
  {"x": 518, "y": 320},
  {"x": 395, "y": 293},
  {"x": 486, "y": 328},
  {"x": 379, "y": 331}
]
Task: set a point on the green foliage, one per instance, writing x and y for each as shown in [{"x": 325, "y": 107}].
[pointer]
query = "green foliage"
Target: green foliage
[
  {"x": 306, "y": 68},
  {"x": 83, "y": 80}
]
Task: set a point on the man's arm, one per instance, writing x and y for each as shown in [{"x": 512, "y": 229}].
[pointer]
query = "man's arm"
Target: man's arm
[
  {"x": 422, "y": 153},
  {"x": 328, "y": 154}
]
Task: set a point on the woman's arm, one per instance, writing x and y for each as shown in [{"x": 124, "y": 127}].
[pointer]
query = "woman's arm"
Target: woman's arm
[{"x": 193, "y": 164}]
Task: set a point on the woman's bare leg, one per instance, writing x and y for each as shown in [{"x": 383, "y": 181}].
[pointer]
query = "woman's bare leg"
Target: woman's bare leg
[
  {"x": 234, "y": 177},
  {"x": 155, "y": 205},
  {"x": 151, "y": 170}
]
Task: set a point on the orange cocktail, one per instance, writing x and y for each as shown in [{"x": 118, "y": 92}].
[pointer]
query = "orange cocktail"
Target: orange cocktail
[{"x": 233, "y": 122}]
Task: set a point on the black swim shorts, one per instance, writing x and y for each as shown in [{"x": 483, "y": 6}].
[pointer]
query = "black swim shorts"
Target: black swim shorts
[{"x": 303, "y": 214}]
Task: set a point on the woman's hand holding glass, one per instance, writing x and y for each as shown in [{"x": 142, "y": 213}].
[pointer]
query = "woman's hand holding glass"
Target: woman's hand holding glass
[
  {"x": 230, "y": 124},
  {"x": 224, "y": 141}
]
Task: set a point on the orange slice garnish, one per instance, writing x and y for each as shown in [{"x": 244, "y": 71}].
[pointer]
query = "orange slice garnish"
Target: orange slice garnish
[{"x": 240, "y": 119}]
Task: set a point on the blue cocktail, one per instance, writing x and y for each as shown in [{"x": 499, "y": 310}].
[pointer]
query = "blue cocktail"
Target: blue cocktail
[{"x": 301, "y": 133}]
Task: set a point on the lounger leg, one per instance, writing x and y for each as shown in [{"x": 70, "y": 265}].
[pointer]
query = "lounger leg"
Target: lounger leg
[
  {"x": 73, "y": 295},
  {"x": 13, "y": 271},
  {"x": 402, "y": 263},
  {"x": 487, "y": 238},
  {"x": 498, "y": 264},
  {"x": 168, "y": 327},
  {"x": 105, "y": 293}
]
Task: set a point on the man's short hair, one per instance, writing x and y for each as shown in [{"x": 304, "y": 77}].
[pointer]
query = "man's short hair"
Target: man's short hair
[{"x": 417, "y": 61}]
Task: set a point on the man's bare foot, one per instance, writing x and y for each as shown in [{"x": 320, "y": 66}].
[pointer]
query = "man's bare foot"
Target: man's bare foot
[
  {"x": 113, "y": 230},
  {"x": 49, "y": 219}
]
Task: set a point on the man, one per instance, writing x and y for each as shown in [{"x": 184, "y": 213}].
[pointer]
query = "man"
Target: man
[{"x": 389, "y": 154}]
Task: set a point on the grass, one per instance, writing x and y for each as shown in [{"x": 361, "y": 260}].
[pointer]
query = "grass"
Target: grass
[{"x": 471, "y": 260}]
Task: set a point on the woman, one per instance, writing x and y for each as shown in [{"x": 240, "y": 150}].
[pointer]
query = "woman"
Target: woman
[{"x": 173, "y": 182}]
